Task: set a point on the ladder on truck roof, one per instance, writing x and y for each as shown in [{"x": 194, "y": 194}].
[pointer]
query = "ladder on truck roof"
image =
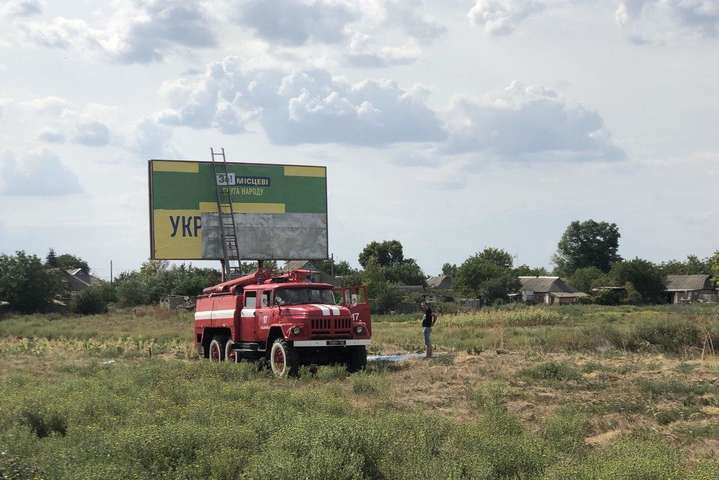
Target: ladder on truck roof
[{"x": 225, "y": 214}]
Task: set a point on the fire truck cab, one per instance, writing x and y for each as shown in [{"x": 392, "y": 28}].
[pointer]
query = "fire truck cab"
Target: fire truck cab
[{"x": 286, "y": 319}]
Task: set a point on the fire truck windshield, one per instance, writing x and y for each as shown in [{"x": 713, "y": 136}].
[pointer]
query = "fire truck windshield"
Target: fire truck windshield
[{"x": 298, "y": 296}]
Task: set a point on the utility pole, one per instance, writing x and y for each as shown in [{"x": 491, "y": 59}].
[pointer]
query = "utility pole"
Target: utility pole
[{"x": 110, "y": 272}]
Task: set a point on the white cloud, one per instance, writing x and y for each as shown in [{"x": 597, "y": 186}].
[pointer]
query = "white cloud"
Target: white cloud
[
  {"x": 92, "y": 134},
  {"x": 501, "y": 17},
  {"x": 137, "y": 32},
  {"x": 363, "y": 53},
  {"x": 661, "y": 21},
  {"x": 152, "y": 140},
  {"x": 528, "y": 123},
  {"x": 48, "y": 105},
  {"x": 309, "y": 106},
  {"x": 51, "y": 135},
  {"x": 411, "y": 16},
  {"x": 40, "y": 173},
  {"x": 296, "y": 22},
  {"x": 20, "y": 8},
  {"x": 157, "y": 26}
]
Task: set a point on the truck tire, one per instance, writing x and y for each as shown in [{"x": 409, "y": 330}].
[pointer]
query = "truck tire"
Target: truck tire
[
  {"x": 231, "y": 356},
  {"x": 357, "y": 359},
  {"x": 283, "y": 359},
  {"x": 217, "y": 349}
]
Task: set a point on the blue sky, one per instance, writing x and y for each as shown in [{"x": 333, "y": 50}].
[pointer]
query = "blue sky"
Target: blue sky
[{"x": 448, "y": 125}]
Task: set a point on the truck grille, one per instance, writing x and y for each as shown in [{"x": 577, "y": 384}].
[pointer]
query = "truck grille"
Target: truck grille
[{"x": 331, "y": 327}]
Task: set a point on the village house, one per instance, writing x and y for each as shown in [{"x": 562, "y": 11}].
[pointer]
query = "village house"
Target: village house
[
  {"x": 77, "y": 279},
  {"x": 691, "y": 288},
  {"x": 548, "y": 291},
  {"x": 440, "y": 282}
]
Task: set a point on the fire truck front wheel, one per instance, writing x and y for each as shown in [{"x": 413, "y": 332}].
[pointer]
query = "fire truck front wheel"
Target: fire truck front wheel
[
  {"x": 217, "y": 349},
  {"x": 283, "y": 359},
  {"x": 357, "y": 359}
]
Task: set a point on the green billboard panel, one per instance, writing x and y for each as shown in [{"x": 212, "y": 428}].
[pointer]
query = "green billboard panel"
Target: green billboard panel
[{"x": 280, "y": 211}]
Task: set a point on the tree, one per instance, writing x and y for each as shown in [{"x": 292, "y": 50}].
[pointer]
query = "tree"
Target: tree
[
  {"x": 26, "y": 284},
  {"x": 385, "y": 253},
  {"x": 587, "y": 244},
  {"x": 155, "y": 279},
  {"x": 693, "y": 265},
  {"x": 527, "y": 271},
  {"x": 449, "y": 269},
  {"x": 51, "y": 259},
  {"x": 70, "y": 262},
  {"x": 388, "y": 257},
  {"x": 385, "y": 296},
  {"x": 330, "y": 267},
  {"x": 407, "y": 272},
  {"x": 496, "y": 256},
  {"x": 714, "y": 263},
  {"x": 645, "y": 277},
  {"x": 487, "y": 274},
  {"x": 586, "y": 278}
]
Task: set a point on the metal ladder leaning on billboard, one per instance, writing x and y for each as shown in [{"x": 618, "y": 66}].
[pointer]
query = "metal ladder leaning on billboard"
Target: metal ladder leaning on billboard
[{"x": 226, "y": 215}]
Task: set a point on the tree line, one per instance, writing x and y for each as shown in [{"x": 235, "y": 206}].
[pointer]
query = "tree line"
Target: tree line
[{"x": 587, "y": 258}]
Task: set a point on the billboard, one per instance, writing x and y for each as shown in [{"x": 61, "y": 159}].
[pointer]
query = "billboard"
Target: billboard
[{"x": 280, "y": 211}]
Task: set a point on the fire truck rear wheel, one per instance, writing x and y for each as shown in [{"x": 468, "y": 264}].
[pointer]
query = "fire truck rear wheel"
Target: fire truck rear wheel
[
  {"x": 283, "y": 359},
  {"x": 217, "y": 349},
  {"x": 357, "y": 359}
]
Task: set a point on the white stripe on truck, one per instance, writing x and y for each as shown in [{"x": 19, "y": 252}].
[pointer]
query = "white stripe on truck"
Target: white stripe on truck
[
  {"x": 215, "y": 314},
  {"x": 327, "y": 309}
]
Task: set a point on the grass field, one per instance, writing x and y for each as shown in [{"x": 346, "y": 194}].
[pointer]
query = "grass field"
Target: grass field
[{"x": 580, "y": 392}]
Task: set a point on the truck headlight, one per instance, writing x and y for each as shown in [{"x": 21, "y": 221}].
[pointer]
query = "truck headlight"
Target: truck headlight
[
  {"x": 359, "y": 329},
  {"x": 296, "y": 330}
]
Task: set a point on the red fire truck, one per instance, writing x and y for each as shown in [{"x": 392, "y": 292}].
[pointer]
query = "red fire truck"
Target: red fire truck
[{"x": 284, "y": 318}]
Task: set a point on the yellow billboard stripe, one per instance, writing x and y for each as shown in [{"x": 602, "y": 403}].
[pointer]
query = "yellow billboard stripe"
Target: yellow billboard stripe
[
  {"x": 210, "y": 207},
  {"x": 291, "y": 171},
  {"x": 177, "y": 166},
  {"x": 177, "y": 234}
]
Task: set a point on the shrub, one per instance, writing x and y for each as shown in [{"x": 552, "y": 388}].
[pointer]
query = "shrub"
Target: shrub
[
  {"x": 609, "y": 297},
  {"x": 669, "y": 336},
  {"x": 42, "y": 426},
  {"x": 89, "y": 301}
]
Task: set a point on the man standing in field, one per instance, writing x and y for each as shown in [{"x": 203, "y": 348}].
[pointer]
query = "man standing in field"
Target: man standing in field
[{"x": 428, "y": 320}]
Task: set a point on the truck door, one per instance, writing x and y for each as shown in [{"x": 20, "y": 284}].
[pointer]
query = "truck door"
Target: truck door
[
  {"x": 264, "y": 313},
  {"x": 355, "y": 298},
  {"x": 248, "y": 318}
]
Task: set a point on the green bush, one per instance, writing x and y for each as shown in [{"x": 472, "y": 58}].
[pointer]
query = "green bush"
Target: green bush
[
  {"x": 674, "y": 336},
  {"x": 42, "y": 425},
  {"x": 89, "y": 301}
]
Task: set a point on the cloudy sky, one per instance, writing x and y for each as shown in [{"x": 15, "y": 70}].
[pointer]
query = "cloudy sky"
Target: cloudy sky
[{"x": 450, "y": 125}]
